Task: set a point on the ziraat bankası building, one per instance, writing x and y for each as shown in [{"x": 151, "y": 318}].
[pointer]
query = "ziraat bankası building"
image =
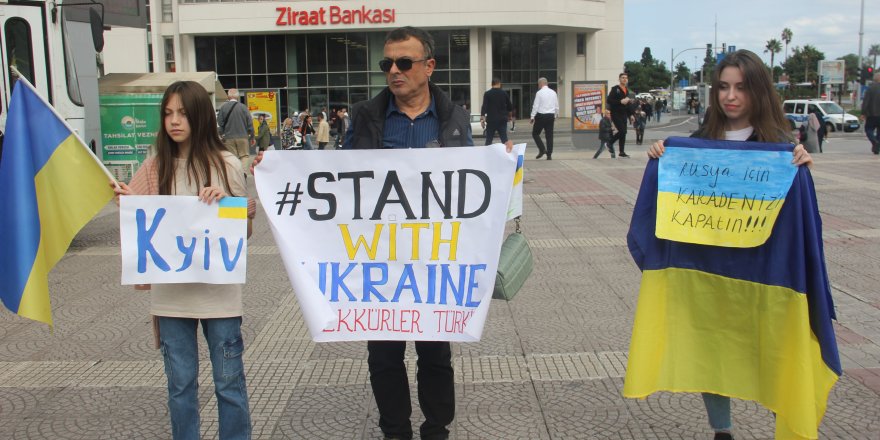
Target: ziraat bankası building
[{"x": 325, "y": 54}]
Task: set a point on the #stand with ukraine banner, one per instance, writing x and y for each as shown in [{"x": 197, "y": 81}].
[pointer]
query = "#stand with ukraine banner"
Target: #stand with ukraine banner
[
  {"x": 735, "y": 298},
  {"x": 51, "y": 185},
  {"x": 390, "y": 244}
]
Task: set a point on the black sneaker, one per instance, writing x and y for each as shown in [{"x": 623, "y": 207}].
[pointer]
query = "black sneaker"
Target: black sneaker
[
  {"x": 723, "y": 436},
  {"x": 623, "y": 155}
]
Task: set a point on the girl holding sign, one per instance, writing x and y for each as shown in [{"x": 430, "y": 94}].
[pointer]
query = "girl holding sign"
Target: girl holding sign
[
  {"x": 190, "y": 159},
  {"x": 743, "y": 107}
]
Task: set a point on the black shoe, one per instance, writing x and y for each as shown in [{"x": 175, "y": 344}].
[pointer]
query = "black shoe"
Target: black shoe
[
  {"x": 624, "y": 154},
  {"x": 723, "y": 436},
  {"x": 540, "y": 155},
  {"x": 875, "y": 147},
  {"x": 548, "y": 157}
]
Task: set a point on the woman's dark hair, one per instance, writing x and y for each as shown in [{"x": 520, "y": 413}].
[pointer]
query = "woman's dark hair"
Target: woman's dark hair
[
  {"x": 206, "y": 149},
  {"x": 765, "y": 108}
]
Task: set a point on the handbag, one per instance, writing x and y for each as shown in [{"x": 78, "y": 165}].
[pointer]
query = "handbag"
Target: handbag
[{"x": 514, "y": 265}]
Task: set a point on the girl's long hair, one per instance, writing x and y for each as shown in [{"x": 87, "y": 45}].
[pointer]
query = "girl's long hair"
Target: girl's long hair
[
  {"x": 206, "y": 149},
  {"x": 765, "y": 108}
]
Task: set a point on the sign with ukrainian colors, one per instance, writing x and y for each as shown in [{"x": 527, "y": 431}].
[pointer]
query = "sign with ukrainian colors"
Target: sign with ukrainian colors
[
  {"x": 390, "y": 244},
  {"x": 721, "y": 193},
  {"x": 178, "y": 239},
  {"x": 515, "y": 208}
]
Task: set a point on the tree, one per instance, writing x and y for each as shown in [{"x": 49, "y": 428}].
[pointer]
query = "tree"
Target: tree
[
  {"x": 851, "y": 69},
  {"x": 873, "y": 52},
  {"x": 786, "y": 37},
  {"x": 774, "y": 47},
  {"x": 647, "y": 59},
  {"x": 643, "y": 78},
  {"x": 803, "y": 64},
  {"x": 682, "y": 71}
]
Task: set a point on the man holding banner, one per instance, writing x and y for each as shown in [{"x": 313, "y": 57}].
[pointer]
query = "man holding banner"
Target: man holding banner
[{"x": 410, "y": 113}]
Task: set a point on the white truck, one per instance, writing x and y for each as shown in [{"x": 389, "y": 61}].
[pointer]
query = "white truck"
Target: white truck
[{"x": 57, "y": 55}]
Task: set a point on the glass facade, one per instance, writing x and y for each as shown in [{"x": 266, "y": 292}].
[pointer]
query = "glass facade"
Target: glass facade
[
  {"x": 325, "y": 70},
  {"x": 519, "y": 60}
]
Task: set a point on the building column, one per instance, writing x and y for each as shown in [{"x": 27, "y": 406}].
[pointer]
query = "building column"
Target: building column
[{"x": 481, "y": 65}]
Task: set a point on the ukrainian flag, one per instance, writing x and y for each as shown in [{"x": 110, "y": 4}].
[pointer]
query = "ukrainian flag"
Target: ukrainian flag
[
  {"x": 233, "y": 207},
  {"x": 50, "y": 187},
  {"x": 750, "y": 323}
]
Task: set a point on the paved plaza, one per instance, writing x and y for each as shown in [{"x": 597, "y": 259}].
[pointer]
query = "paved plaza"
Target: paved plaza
[{"x": 550, "y": 364}]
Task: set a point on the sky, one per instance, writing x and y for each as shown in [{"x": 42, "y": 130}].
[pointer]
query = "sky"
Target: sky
[{"x": 831, "y": 26}]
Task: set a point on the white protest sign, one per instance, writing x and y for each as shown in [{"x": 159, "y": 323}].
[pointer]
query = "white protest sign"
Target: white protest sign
[
  {"x": 178, "y": 239},
  {"x": 390, "y": 244}
]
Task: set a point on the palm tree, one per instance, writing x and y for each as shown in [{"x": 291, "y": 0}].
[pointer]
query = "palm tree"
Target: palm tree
[
  {"x": 774, "y": 47},
  {"x": 873, "y": 52},
  {"x": 786, "y": 37}
]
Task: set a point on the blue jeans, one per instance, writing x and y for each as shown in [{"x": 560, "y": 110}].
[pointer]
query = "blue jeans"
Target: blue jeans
[
  {"x": 181, "y": 354},
  {"x": 718, "y": 410},
  {"x": 307, "y": 142}
]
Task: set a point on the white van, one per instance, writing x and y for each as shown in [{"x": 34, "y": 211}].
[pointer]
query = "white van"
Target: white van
[{"x": 836, "y": 118}]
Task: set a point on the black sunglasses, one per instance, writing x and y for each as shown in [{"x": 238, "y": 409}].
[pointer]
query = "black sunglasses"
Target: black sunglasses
[{"x": 403, "y": 64}]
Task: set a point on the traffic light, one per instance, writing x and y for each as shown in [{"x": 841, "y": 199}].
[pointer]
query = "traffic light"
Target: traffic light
[{"x": 867, "y": 74}]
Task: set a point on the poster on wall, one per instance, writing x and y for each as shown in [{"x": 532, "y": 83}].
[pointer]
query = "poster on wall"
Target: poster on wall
[
  {"x": 587, "y": 104},
  {"x": 264, "y": 102},
  {"x": 129, "y": 123}
]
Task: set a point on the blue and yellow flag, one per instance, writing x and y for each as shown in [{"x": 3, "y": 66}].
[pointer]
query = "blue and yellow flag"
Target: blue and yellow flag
[
  {"x": 752, "y": 323},
  {"x": 50, "y": 187}
]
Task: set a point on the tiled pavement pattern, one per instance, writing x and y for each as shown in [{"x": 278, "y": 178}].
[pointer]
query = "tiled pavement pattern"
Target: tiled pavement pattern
[{"x": 550, "y": 364}]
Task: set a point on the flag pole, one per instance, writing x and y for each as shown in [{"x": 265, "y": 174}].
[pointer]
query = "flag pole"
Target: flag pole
[{"x": 82, "y": 143}]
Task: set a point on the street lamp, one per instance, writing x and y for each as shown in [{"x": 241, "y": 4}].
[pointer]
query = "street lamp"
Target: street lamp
[{"x": 672, "y": 66}]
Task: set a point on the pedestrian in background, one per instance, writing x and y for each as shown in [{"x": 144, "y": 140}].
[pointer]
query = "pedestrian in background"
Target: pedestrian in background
[
  {"x": 544, "y": 112},
  {"x": 236, "y": 127},
  {"x": 306, "y": 131},
  {"x": 340, "y": 127},
  {"x": 496, "y": 112},
  {"x": 639, "y": 123},
  {"x": 288, "y": 139},
  {"x": 621, "y": 102},
  {"x": 322, "y": 134},
  {"x": 745, "y": 108},
  {"x": 871, "y": 114},
  {"x": 606, "y": 131},
  {"x": 191, "y": 160},
  {"x": 264, "y": 136}
]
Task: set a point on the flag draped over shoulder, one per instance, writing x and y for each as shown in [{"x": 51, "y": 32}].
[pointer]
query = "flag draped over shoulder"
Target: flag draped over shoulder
[
  {"x": 50, "y": 187},
  {"x": 750, "y": 323}
]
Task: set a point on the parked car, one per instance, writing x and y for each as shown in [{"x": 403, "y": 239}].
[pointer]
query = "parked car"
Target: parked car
[
  {"x": 836, "y": 118},
  {"x": 477, "y": 129}
]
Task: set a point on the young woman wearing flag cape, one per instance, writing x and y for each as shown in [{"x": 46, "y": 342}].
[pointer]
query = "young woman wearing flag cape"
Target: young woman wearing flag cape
[{"x": 743, "y": 107}]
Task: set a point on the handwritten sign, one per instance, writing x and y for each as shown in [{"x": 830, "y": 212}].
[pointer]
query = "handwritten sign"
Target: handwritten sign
[
  {"x": 178, "y": 239},
  {"x": 389, "y": 244},
  {"x": 721, "y": 193}
]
